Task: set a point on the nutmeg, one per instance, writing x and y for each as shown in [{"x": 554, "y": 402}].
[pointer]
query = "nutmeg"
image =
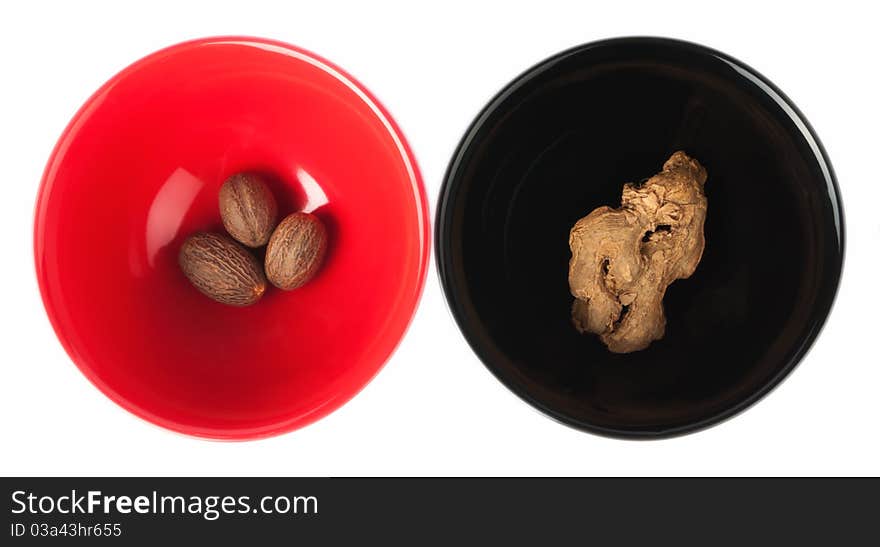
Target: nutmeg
[
  {"x": 222, "y": 269},
  {"x": 296, "y": 251},
  {"x": 248, "y": 209}
]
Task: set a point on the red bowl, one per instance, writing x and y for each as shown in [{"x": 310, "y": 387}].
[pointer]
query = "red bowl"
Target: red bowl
[{"x": 138, "y": 169}]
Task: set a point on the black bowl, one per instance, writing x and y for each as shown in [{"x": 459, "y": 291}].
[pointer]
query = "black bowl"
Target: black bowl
[{"x": 561, "y": 140}]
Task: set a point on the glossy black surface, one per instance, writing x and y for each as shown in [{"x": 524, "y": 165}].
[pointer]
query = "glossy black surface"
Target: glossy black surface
[{"x": 561, "y": 140}]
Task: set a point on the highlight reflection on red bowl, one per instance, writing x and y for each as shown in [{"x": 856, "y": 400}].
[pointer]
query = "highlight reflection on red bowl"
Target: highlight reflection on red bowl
[{"x": 139, "y": 168}]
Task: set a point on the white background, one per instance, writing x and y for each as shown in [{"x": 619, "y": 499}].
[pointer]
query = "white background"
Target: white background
[{"x": 434, "y": 409}]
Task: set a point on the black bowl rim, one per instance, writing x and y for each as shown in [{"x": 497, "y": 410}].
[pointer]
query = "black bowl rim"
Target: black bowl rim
[{"x": 443, "y": 244}]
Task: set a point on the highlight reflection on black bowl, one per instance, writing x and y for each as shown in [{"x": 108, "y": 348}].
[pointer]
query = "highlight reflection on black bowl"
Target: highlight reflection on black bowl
[{"x": 560, "y": 141}]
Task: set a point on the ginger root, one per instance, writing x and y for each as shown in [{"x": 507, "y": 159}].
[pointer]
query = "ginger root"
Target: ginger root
[{"x": 622, "y": 260}]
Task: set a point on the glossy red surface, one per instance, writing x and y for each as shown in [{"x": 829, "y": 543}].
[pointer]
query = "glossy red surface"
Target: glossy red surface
[{"x": 139, "y": 168}]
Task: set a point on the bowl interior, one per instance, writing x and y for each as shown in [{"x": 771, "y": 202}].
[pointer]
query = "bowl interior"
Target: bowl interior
[
  {"x": 561, "y": 141},
  {"x": 139, "y": 169}
]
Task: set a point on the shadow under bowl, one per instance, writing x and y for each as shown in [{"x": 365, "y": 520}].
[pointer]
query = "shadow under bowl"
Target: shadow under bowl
[
  {"x": 561, "y": 140},
  {"x": 139, "y": 169}
]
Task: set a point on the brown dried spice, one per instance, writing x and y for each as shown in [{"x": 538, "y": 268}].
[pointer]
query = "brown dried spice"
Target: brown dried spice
[
  {"x": 296, "y": 251},
  {"x": 248, "y": 209},
  {"x": 222, "y": 269},
  {"x": 622, "y": 260}
]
